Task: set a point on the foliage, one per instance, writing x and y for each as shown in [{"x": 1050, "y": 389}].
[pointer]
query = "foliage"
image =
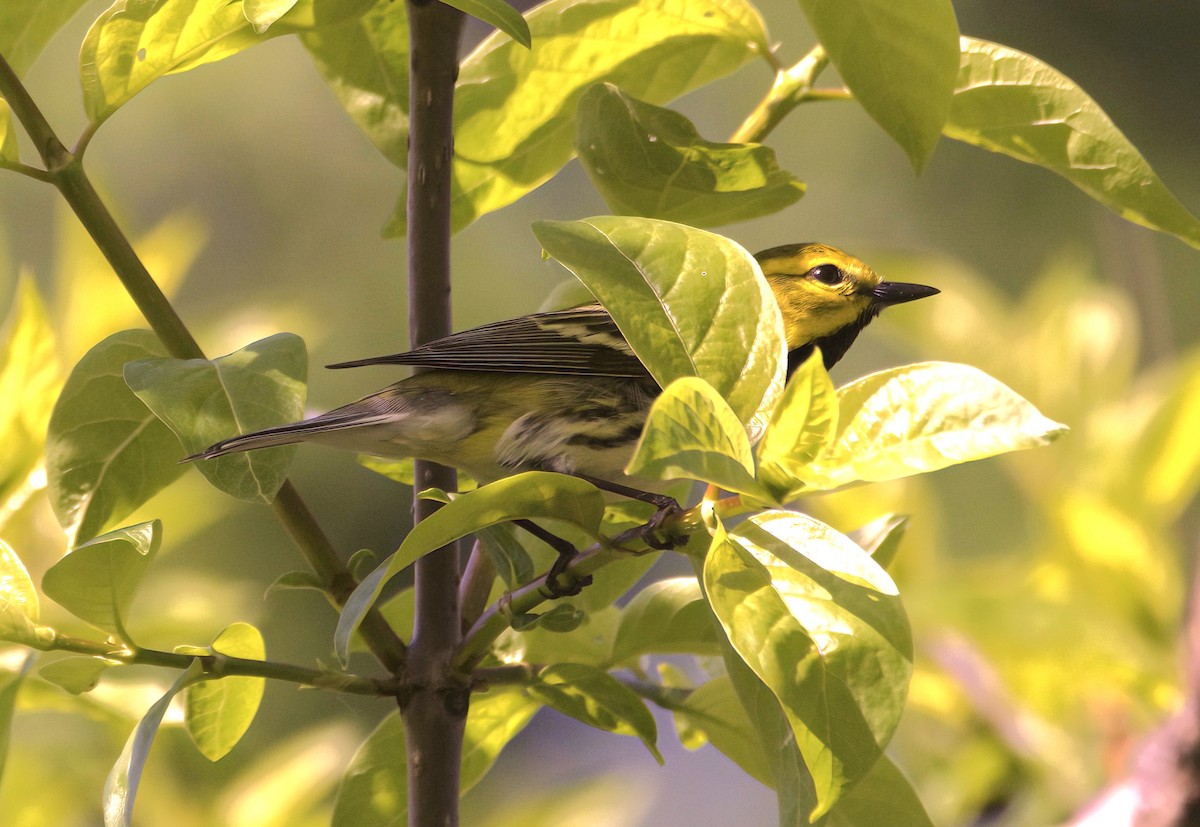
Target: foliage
[{"x": 800, "y": 655}]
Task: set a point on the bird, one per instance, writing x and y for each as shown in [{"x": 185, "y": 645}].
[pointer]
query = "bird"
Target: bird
[{"x": 563, "y": 390}]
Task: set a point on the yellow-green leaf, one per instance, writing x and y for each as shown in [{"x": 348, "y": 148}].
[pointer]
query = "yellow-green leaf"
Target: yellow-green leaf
[
  {"x": 802, "y": 425},
  {"x": 1010, "y": 102},
  {"x": 218, "y": 712}
]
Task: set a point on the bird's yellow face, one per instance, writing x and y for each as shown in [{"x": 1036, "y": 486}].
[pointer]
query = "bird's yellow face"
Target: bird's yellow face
[{"x": 819, "y": 288}]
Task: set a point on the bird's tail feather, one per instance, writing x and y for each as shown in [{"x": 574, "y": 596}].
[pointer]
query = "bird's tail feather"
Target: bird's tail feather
[{"x": 267, "y": 438}]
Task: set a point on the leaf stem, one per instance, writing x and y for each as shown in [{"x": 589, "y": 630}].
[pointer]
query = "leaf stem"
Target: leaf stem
[
  {"x": 476, "y": 586},
  {"x": 65, "y": 171},
  {"x": 217, "y": 665},
  {"x": 792, "y": 86}
]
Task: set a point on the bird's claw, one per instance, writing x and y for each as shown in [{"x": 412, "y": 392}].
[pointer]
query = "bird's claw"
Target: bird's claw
[
  {"x": 560, "y": 582},
  {"x": 668, "y": 509}
]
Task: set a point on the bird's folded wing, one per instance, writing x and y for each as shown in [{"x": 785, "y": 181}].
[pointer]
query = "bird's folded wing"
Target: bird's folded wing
[{"x": 581, "y": 341}]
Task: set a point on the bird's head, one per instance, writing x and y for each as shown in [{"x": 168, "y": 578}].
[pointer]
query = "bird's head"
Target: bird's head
[{"x": 825, "y": 293}]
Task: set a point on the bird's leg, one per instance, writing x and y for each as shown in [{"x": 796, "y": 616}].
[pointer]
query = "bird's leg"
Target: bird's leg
[
  {"x": 667, "y": 507},
  {"x": 566, "y": 553}
]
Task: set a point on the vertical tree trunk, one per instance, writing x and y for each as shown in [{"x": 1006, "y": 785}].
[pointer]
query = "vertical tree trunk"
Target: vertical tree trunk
[{"x": 435, "y": 709}]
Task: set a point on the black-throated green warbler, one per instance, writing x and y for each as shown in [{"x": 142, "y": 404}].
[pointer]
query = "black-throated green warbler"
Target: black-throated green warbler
[{"x": 563, "y": 391}]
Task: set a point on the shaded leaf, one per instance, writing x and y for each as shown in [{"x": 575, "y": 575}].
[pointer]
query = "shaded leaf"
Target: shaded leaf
[
  {"x": 883, "y": 790},
  {"x": 691, "y": 433},
  {"x": 881, "y": 538},
  {"x": 899, "y": 58},
  {"x": 514, "y": 112},
  {"x": 689, "y": 302},
  {"x": 668, "y": 617},
  {"x": 715, "y": 709},
  {"x": 821, "y": 624},
  {"x": 106, "y": 453},
  {"x": 646, "y": 160},
  {"x": 97, "y": 581},
  {"x": 596, "y": 698},
  {"x": 10, "y": 687},
  {"x": 263, "y": 13},
  {"x": 120, "y": 788},
  {"x": 204, "y": 401},
  {"x": 218, "y": 712},
  {"x": 919, "y": 418},
  {"x": 1010, "y": 102},
  {"x": 76, "y": 675},
  {"x": 590, "y": 643},
  {"x": 531, "y": 495}
]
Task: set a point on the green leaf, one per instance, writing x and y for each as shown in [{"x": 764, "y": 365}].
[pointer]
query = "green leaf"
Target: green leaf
[
  {"x": 596, "y": 698},
  {"x": 881, "y": 538},
  {"x": 263, "y": 13},
  {"x": 365, "y": 62},
  {"x": 26, "y": 26},
  {"x": 374, "y": 789},
  {"x": 514, "y": 113},
  {"x": 120, "y": 788},
  {"x": 106, "y": 453},
  {"x": 590, "y": 643},
  {"x": 646, "y": 160},
  {"x": 715, "y": 710},
  {"x": 97, "y": 581},
  {"x": 10, "y": 687},
  {"x": 1164, "y": 464},
  {"x": 76, "y": 675},
  {"x": 528, "y": 496},
  {"x": 203, "y": 401},
  {"x": 1010, "y": 102},
  {"x": 219, "y": 712},
  {"x": 884, "y": 790},
  {"x": 668, "y": 617},
  {"x": 499, "y": 14},
  {"x": 690, "y": 303},
  {"x": 820, "y": 623},
  {"x": 692, "y": 433},
  {"x": 17, "y": 594},
  {"x": 802, "y": 425},
  {"x": 508, "y": 555},
  {"x": 29, "y": 382},
  {"x": 135, "y": 42},
  {"x": 923, "y": 417},
  {"x": 899, "y": 58}
]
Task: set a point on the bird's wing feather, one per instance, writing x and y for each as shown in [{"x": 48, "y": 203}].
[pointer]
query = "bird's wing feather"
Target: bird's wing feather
[{"x": 581, "y": 341}]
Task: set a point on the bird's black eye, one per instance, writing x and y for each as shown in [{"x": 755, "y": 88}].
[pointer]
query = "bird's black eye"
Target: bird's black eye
[{"x": 827, "y": 274}]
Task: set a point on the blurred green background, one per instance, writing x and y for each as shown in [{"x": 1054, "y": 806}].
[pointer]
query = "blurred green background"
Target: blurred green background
[{"x": 251, "y": 166}]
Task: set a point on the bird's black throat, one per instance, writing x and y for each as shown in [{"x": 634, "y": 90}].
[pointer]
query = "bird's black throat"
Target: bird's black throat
[{"x": 834, "y": 346}]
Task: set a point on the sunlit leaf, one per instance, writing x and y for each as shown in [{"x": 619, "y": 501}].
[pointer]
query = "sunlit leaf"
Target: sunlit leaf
[
  {"x": 29, "y": 382},
  {"x": 883, "y": 790},
  {"x": 10, "y": 152},
  {"x": 106, "y": 453},
  {"x": 218, "y": 712},
  {"x": 515, "y": 108},
  {"x": 120, "y": 788},
  {"x": 668, "y": 617},
  {"x": 881, "y": 538},
  {"x": 135, "y": 42},
  {"x": 821, "y": 624},
  {"x": 899, "y": 58},
  {"x": 16, "y": 587},
  {"x": 76, "y": 674},
  {"x": 922, "y": 417},
  {"x": 203, "y": 401},
  {"x": 528, "y": 496},
  {"x": 596, "y": 698},
  {"x": 1010, "y": 102},
  {"x": 802, "y": 425},
  {"x": 646, "y": 160},
  {"x": 689, "y": 302},
  {"x": 1164, "y": 467},
  {"x": 263, "y": 13},
  {"x": 365, "y": 63},
  {"x": 97, "y": 581},
  {"x": 499, "y": 14},
  {"x": 590, "y": 643},
  {"x": 691, "y": 433}
]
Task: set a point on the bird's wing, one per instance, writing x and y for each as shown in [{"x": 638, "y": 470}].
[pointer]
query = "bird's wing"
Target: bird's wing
[{"x": 581, "y": 341}]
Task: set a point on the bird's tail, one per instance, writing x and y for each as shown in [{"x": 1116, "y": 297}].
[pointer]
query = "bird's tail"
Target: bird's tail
[{"x": 267, "y": 438}]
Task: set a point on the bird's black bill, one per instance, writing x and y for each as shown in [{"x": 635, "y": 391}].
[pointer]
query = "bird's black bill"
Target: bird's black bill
[{"x": 899, "y": 292}]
